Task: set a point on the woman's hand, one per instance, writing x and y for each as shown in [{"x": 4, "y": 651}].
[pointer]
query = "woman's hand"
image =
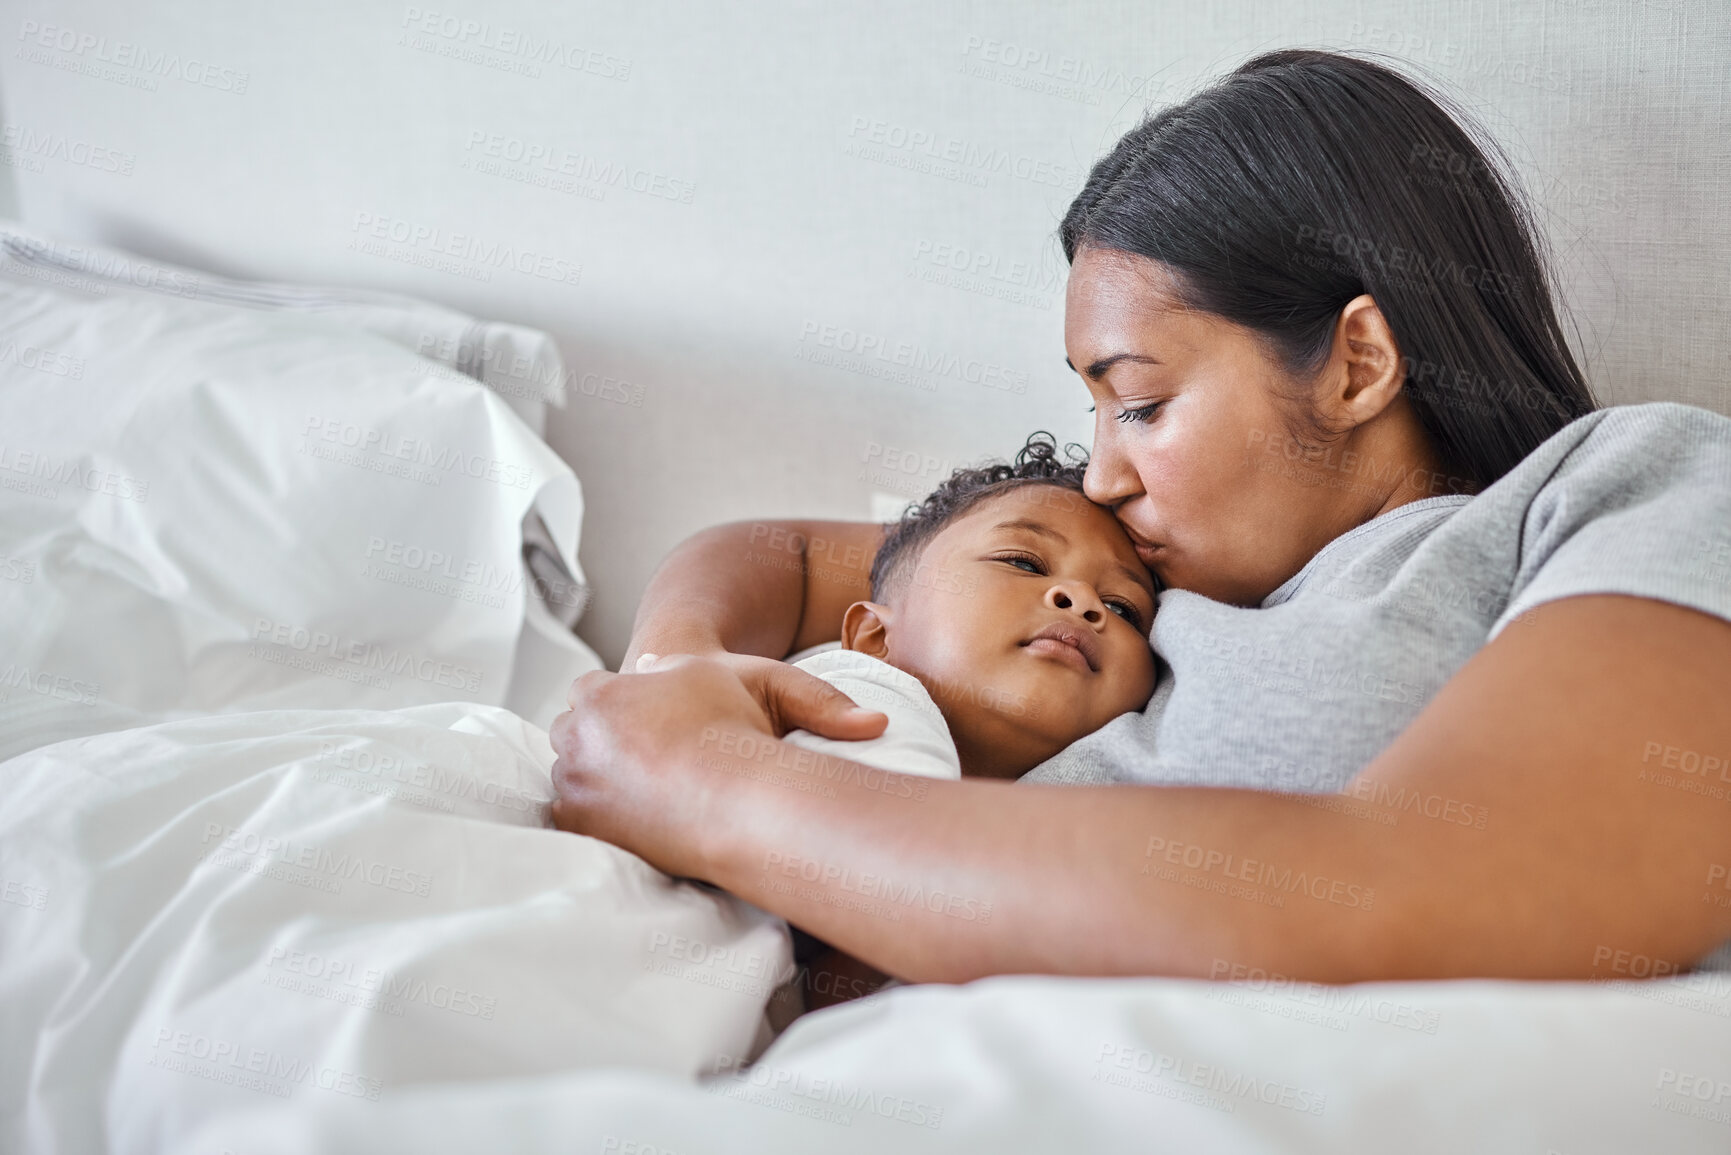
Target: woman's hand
[{"x": 629, "y": 769}]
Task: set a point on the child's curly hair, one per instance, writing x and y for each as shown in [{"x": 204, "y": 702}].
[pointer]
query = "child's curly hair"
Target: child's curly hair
[{"x": 1037, "y": 463}]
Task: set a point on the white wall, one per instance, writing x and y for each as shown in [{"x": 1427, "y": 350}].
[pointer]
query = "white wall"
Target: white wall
[{"x": 269, "y": 140}]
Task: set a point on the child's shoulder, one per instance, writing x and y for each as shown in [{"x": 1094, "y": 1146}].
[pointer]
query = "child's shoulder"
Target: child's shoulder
[{"x": 855, "y": 673}]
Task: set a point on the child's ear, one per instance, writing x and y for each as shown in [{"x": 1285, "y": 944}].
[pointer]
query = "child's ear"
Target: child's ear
[{"x": 865, "y": 628}]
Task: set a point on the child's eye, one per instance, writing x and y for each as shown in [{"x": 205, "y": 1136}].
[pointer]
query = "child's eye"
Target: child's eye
[
  {"x": 1029, "y": 564},
  {"x": 1128, "y": 612}
]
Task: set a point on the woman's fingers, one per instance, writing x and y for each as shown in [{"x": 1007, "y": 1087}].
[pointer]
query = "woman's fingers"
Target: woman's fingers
[
  {"x": 631, "y": 766},
  {"x": 582, "y": 685},
  {"x": 796, "y": 700}
]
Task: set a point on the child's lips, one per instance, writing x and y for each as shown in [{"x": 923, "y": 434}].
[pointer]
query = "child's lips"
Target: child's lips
[{"x": 1069, "y": 644}]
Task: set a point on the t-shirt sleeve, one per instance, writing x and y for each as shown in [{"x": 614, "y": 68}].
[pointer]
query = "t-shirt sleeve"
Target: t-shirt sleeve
[
  {"x": 916, "y": 740},
  {"x": 1642, "y": 506}
]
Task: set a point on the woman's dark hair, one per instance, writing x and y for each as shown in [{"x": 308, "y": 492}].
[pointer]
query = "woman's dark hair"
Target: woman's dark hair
[
  {"x": 1037, "y": 463},
  {"x": 1306, "y": 178}
]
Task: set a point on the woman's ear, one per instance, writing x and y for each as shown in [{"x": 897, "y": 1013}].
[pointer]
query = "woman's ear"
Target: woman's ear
[
  {"x": 1366, "y": 371},
  {"x": 865, "y": 628}
]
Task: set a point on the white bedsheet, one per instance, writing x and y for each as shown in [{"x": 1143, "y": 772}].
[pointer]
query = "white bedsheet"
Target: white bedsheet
[
  {"x": 310, "y": 906},
  {"x": 1015, "y": 1065}
]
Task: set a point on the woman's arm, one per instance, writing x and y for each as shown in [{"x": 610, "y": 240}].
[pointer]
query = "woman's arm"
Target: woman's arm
[
  {"x": 768, "y": 588},
  {"x": 1572, "y": 734}
]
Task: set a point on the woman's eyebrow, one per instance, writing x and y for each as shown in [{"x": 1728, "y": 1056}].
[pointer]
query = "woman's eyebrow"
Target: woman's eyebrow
[{"x": 1097, "y": 368}]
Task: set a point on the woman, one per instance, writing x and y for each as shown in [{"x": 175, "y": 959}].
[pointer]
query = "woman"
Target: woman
[{"x": 1474, "y": 629}]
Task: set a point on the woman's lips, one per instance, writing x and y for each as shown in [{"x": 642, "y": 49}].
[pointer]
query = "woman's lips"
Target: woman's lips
[{"x": 1144, "y": 548}]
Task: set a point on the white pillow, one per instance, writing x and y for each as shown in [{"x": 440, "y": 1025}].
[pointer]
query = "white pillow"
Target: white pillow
[
  {"x": 205, "y": 507},
  {"x": 520, "y": 364}
]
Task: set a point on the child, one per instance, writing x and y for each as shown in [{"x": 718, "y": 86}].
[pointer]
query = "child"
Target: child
[{"x": 1009, "y": 616}]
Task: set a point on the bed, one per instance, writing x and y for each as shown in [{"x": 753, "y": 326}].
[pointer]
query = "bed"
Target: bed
[{"x": 287, "y": 580}]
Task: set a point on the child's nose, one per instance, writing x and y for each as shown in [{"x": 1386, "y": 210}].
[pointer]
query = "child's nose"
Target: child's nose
[{"x": 1078, "y": 598}]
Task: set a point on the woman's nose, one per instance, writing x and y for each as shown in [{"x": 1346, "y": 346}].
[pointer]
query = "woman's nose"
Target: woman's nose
[
  {"x": 1078, "y": 598},
  {"x": 1110, "y": 478}
]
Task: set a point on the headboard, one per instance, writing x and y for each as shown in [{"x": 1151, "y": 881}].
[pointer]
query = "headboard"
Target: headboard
[{"x": 799, "y": 258}]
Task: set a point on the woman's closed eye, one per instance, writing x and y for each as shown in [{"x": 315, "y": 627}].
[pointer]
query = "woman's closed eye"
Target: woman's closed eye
[{"x": 1140, "y": 413}]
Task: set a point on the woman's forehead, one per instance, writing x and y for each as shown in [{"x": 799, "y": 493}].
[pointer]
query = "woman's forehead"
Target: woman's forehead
[
  {"x": 1112, "y": 278},
  {"x": 1120, "y": 303}
]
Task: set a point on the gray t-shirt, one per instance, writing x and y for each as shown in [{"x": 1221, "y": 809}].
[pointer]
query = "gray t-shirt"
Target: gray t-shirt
[{"x": 1302, "y": 692}]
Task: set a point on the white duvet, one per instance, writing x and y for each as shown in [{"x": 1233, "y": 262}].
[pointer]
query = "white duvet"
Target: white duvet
[
  {"x": 350, "y": 931},
  {"x": 311, "y": 907}
]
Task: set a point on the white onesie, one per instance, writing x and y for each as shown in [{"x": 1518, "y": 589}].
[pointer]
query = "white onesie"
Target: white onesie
[{"x": 916, "y": 741}]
